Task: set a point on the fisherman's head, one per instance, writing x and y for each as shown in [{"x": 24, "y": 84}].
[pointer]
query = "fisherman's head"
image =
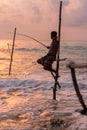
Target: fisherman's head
[{"x": 53, "y": 35}]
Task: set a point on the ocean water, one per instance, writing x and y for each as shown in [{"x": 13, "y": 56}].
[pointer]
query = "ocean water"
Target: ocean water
[{"x": 26, "y": 95}]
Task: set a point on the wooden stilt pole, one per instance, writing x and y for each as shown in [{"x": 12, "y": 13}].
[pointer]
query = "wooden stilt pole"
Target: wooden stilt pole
[
  {"x": 58, "y": 53},
  {"x": 12, "y": 52}
]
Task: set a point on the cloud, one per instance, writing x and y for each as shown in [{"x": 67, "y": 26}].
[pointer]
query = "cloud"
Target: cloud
[
  {"x": 42, "y": 15},
  {"x": 75, "y": 13}
]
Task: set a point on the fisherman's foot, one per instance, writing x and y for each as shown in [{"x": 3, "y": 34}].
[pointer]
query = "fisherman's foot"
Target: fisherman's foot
[{"x": 53, "y": 70}]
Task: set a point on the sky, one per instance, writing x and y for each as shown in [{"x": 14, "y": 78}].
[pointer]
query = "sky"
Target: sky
[{"x": 38, "y": 18}]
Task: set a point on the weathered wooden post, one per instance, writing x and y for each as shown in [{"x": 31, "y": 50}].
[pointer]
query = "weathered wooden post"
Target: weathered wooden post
[
  {"x": 12, "y": 51},
  {"x": 58, "y": 54},
  {"x": 72, "y": 67}
]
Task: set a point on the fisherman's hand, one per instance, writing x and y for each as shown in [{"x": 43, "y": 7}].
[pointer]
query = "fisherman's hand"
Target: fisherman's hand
[{"x": 48, "y": 47}]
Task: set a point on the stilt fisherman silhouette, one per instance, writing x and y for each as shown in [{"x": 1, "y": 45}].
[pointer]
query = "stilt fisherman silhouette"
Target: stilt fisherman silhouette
[{"x": 47, "y": 60}]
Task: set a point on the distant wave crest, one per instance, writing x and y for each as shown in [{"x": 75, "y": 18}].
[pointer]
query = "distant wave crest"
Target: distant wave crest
[{"x": 28, "y": 49}]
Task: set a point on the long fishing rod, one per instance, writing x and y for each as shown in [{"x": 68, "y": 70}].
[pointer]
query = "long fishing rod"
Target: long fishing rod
[{"x": 21, "y": 34}]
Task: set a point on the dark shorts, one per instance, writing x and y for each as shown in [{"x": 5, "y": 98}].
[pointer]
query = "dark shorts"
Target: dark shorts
[{"x": 46, "y": 62}]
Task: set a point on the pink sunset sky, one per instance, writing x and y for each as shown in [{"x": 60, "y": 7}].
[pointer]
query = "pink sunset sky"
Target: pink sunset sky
[{"x": 39, "y": 17}]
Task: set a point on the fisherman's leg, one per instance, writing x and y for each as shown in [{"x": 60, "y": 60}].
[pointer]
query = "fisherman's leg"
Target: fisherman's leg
[
  {"x": 49, "y": 69},
  {"x": 48, "y": 64}
]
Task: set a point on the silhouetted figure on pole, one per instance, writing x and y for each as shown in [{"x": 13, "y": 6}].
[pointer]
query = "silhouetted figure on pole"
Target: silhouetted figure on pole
[{"x": 47, "y": 60}]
